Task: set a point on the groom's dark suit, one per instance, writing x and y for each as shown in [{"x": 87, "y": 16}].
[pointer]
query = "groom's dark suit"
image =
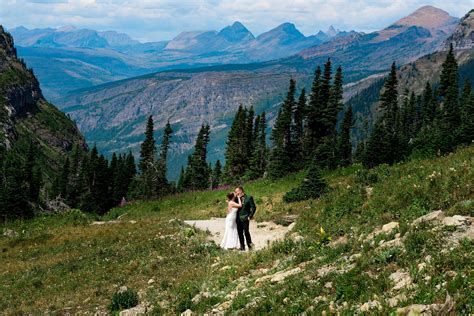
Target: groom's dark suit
[{"x": 245, "y": 213}]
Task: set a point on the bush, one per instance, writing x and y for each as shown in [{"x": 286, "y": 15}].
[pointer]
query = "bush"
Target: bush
[
  {"x": 312, "y": 186},
  {"x": 123, "y": 300}
]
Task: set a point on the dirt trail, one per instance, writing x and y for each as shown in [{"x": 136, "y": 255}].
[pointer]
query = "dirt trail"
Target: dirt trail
[{"x": 262, "y": 233}]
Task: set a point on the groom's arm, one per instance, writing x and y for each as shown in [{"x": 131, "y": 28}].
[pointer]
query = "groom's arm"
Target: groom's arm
[{"x": 253, "y": 207}]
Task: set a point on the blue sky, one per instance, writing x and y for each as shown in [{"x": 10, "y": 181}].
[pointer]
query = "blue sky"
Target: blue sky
[{"x": 153, "y": 20}]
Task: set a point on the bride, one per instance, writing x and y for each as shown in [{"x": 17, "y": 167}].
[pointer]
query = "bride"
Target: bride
[{"x": 231, "y": 237}]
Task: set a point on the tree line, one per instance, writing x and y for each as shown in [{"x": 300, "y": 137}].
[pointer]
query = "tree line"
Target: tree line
[
  {"x": 410, "y": 125},
  {"x": 306, "y": 136}
]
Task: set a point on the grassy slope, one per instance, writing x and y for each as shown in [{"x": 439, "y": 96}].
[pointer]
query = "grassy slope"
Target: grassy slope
[{"x": 61, "y": 263}]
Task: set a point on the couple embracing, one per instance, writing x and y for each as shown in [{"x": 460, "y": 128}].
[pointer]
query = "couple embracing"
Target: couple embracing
[{"x": 240, "y": 210}]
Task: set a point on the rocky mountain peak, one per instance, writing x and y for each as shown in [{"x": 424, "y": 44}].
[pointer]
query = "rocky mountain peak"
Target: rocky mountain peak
[
  {"x": 463, "y": 36},
  {"x": 428, "y": 17},
  {"x": 236, "y": 32},
  {"x": 331, "y": 32},
  {"x": 284, "y": 31}
]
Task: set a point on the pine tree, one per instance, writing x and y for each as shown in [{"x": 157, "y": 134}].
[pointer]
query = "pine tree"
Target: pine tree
[
  {"x": 312, "y": 186},
  {"x": 237, "y": 161},
  {"x": 335, "y": 101},
  {"x": 180, "y": 186},
  {"x": 345, "y": 146},
  {"x": 14, "y": 194},
  {"x": 248, "y": 133},
  {"x": 280, "y": 163},
  {"x": 428, "y": 105},
  {"x": 216, "y": 174},
  {"x": 384, "y": 143},
  {"x": 298, "y": 128},
  {"x": 466, "y": 130},
  {"x": 148, "y": 149},
  {"x": 197, "y": 174},
  {"x": 448, "y": 90},
  {"x": 313, "y": 115},
  {"x": 324, "y": 100},
  {"x": 259, "y": 159},
  {"x": 161, "y": 185}
]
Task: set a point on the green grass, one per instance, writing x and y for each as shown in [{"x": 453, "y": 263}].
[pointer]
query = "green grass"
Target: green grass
[{"x": 62, "y": 264}]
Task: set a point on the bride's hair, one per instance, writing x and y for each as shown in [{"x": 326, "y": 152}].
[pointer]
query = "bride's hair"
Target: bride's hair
[{"x": 230, "y": 196}]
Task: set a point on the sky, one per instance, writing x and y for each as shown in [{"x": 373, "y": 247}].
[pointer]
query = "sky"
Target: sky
[{"x": 155, "y": 20}]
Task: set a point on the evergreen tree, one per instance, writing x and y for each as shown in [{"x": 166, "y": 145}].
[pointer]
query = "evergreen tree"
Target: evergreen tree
[
  {"x": 298, "y": 128},
  {"x": 384, "y": 145},
  {"x": 148, "y": 149},
  {"x": 161, "y": 185},
  {"x": 428, "y": 105},
  {"x": 197, "y": 174},
  {"x": 324, "y": 100},
  {"x": 312, "y": 186},
  {"x": 281, "y": 163},
  {"x": 345, "y": 146},
  {"x": 216, "y": 174},
  {"x": 466, "y": 131},
  {"x": 237, "y": 161},
  {"x": 249, "y": 137},
  {"x": 259, "y": 159},
  {"x": 448, "y": 90},
  {"x": 335, "y": 101},
  {"x": 14, "y": 202},
  {"x": 313, "y": 115},
  {"x": 180, "y": 186}
]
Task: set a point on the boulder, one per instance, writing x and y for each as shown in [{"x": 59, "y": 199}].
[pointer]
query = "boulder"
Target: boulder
[
  {"x": 370, "y": 305},
  {"x": 436, "y": 216},
  {"x": 388, "y": 228},
  {"x": 456, "y": 220},
  {"x": 401, "y": 279}
]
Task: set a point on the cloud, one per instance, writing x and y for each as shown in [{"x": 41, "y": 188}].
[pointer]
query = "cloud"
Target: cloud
[{"x": 163, "y": 19}]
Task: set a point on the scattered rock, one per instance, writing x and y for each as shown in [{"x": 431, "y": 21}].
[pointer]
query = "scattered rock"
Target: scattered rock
[
  {"x": 456, "y": 220},
  {"x": 319, "y": 299},
  {"x": 436, "y": 216},
  {"x": 388, "y": 228},
  {"x": 415, "y": 309},
  {"x": 215, "y": 264},
  {"x": 422, "y": 266},
  {"x": 401, "y": 279},
  {"x": 328, "y": 285},
  {"x": 224, "y": 268},
  {"x": 280, "y": 276},
  {"x": 151, "y": 281},
  {"x": 451, "y": 274},
  {"x": 188, "y": 312},
  {"x": 434, "y": 309},
  {"x": 106, "y": 222},
  {"x": 224, "y": 306},
  {"x": 132, "y": 222},
  {"x": 122, "y": 289},
  {"x": 369, "y": 191},
  {"x": 10, "y": 233},
  {"x": 141, "y": 309},
  {"x": 394, "y": 301},
  {"x": 339, "y": 241},
  {"x": 370, "y": 305}
]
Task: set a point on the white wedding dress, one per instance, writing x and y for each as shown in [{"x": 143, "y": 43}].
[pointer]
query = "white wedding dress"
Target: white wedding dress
[{"x": 231, "y": 237}]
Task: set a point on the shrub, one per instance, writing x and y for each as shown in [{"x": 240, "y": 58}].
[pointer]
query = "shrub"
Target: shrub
[
  {"x": 312, "y": 186},
  {"x": 123, "y": 300}
]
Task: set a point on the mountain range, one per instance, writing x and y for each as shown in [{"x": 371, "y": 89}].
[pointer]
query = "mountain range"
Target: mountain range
[
  {"x": 113, "y": 115},
  {"x": 68, "y": 58}
]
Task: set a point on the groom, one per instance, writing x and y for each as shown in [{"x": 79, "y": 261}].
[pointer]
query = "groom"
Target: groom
[{"x": 244, "y": 214}]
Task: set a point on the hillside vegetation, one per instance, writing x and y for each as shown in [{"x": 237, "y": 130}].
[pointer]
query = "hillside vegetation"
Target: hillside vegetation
[{"x": 338, "y": 258}]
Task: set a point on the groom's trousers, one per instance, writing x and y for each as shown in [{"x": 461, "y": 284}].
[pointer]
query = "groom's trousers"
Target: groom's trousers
[{"x": 243, "y": 229}]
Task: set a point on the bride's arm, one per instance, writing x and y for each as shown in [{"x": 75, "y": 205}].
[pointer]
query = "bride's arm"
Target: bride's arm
[{"x": 233, "y": 204}]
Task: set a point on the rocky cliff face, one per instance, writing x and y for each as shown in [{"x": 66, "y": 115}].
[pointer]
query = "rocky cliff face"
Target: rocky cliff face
[
  {"x": 24, "y": 113},
  {"x": 463, "y": 36}
]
